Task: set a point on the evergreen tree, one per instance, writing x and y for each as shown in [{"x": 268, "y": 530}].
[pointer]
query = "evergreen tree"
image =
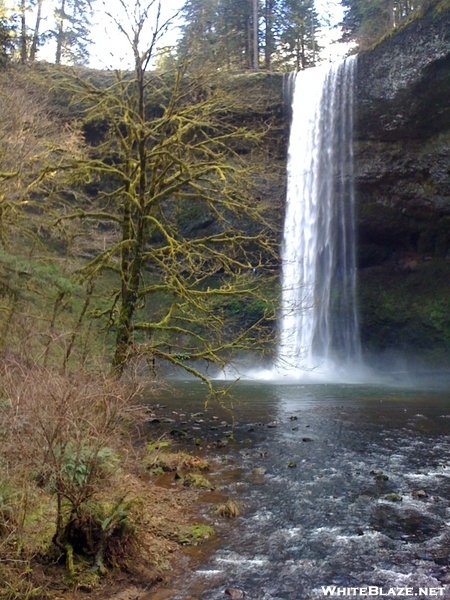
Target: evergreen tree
[
  {"x": 221, "y": 32},
  {"x": 200, "y": 37},
  {"x": 299, "y": 23},
  {"x": 269, "y": 33},
  {"x": 366, "y": 21},
  {"x": 72, "y": 31},
  {"x": 19, "y": 37},
  {"x": 6, "y": 36},
  {"x": 36, "y": 33}
]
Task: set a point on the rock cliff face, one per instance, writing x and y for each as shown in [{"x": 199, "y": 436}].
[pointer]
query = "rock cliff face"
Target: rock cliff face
[{"x": 402, "y": 169}]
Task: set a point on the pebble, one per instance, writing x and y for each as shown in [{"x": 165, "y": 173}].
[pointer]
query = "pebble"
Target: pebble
[{"x": 235, "y": 593}]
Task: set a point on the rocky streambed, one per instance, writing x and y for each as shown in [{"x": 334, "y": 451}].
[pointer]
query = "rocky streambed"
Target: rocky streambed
[{"x": 337, "y": 485}]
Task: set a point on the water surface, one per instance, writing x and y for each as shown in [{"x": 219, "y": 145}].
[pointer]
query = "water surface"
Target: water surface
[{"x": 331, "y": 518}]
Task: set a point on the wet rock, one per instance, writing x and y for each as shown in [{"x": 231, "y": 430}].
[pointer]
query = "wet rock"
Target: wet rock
[
  {"x": 424, "y": 555},
  {"x": 295, "y": 429},
  {"x": 178, "y": 433},
  {"x": 293, "y": 418},
  {"x": 419, "y": 494},
  {"x": 379, "y": 476},
  {"x": 220, "y": 443},
  {"x": 229, "y": 510},
  {"x": 235, "y": 593},
  {"x": 444, "y": 578},
  {"x": 154, "y": 421},
  {"x": 307, "y": 439},
  {"x": 196, "y": 480},
  {"x": 441, "y": 557},
  {"x": 191, "y": 535},
  {"x": 158, "y": 445},
  {"x": 393, "y": 498},
  {"x": 259, "y": 471},
  {"x": 395, "y": 522}
]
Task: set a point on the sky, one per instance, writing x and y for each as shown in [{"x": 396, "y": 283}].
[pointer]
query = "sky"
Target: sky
[{"x": 110, "y": 48}]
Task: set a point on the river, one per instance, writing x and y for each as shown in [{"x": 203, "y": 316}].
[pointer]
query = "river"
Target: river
[{"x": 355, "y": 492}]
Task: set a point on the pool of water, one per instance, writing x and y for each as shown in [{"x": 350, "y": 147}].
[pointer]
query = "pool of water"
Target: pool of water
[{"x": 356, "y": 489}]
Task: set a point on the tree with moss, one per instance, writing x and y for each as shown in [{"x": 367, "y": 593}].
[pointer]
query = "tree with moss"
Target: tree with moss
[{"x": 173, "y": 181}]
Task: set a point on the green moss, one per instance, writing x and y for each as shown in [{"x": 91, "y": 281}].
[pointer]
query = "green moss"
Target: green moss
[
  {"x": 192, "y": 535},
  {"x": 197, "y": 480},
  {"x": 158, "y": 459},
  {"x": 393, "y": 498},
  {"x": 159, "y": 445},
  {"x": 407, "y": 309}
]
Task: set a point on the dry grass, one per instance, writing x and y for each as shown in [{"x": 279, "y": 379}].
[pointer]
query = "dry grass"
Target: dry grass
[{"x": 76, "y": 502}]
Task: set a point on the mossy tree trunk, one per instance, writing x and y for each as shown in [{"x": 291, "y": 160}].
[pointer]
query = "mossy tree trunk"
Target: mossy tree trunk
[{"x": 171, "y": 150}]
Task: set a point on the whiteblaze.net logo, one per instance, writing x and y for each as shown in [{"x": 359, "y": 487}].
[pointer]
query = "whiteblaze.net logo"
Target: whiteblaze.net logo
[{"x": 374, "y": 590}]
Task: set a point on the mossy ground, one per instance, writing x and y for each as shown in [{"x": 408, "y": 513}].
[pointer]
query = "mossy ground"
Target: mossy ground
[{"x": 165, "y": 519}]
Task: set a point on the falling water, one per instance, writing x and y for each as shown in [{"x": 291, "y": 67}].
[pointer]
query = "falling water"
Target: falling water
[{"x": 319, "y": 325}]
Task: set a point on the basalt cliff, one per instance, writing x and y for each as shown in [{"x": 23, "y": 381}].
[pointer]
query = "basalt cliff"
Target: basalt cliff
[{"x": 402, "y": 178}]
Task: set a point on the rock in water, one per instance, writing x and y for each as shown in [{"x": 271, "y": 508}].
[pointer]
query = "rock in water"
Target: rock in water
[{"x": 235, "y": 593}]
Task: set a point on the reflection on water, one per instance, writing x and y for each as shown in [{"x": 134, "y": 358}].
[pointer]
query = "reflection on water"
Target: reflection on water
[{"x": 367, "y": 502}]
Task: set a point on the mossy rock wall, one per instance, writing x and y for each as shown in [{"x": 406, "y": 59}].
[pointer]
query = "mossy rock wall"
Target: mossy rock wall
[{"x": 402, "y": 177}]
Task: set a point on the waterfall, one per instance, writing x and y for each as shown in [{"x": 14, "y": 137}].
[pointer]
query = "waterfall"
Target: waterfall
[{"x": 319, "y": 325}]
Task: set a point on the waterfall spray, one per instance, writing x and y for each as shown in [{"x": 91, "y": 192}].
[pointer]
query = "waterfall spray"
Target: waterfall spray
[{"x": 319, "y": 325}]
